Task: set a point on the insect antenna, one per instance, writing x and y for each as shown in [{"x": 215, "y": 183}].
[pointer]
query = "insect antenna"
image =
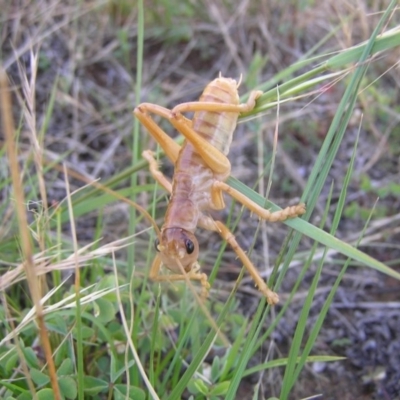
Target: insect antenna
[
  {"x": 118, "y": 196},
  {"x": 240, "y": 81},
  {"x": 146, "y": 214}
]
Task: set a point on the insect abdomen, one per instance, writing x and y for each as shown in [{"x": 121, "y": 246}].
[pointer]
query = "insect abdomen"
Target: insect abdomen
[{"x": 218, "y": 127}]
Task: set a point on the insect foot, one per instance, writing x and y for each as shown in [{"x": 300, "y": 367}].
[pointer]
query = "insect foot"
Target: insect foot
[{"x": 272, "y": 297}]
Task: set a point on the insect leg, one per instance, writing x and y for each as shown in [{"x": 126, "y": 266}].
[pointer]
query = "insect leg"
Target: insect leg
[
  {"x": 226, "y": 234},
  {"x": 215, "y": 160},
  {"x": 193, "y": 275},
  {"x": 281, "y": 215},
  {"x": 154, "y": 170},
  {"x": 219, "y": 107},
  {"x": 170, "y": 147}
]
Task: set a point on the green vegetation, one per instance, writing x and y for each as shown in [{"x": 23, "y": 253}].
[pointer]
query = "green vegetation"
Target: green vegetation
[{"x": 78, "y": 314}]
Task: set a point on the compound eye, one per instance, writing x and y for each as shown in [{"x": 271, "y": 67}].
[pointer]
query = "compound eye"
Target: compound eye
[
  {"x": 156, "y": 244},
  {"x": 189, "y": 246}
]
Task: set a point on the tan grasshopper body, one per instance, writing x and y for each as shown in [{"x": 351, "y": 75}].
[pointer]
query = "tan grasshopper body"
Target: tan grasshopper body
[{"x": 201, "y": 167}]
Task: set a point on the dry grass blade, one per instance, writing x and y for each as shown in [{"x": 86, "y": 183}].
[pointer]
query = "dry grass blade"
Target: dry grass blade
[{"x": 8, "y": 125}]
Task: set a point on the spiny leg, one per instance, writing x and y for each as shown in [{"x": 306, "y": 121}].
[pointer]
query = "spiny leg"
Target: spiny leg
[
  {"x": 192, "y": 275},
  {"x": 280, "y": 215},
  {"x": 148, "y": 155},
  {"x": 208, "y": 223},
  {"x": 170, "y": 147},
  {"x": 219, "y": 107},
  {"x": 215, "y": 159}
]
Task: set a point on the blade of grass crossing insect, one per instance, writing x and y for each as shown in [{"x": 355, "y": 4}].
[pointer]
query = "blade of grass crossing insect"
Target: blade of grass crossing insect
[
  {"x": 388, "y": 41},
  {"x": 304, "y": 61},
  {"x": 267, "y": 97},
  {"x": 183, "y": 339},
  {"x": 233, "y": 353},
  {"x": 313, "y": 232},
  {"x": 200, "y": 355},
  {"x": 191, "y": 338},
  {"x": 335, "y": 223},
  {"x": 275, "y": 321},
  {"x": 285, "y": 306},
  {"x": 253, "y": 334},
  {"x": 318, "y": 324},
  {"x": 343, "y": 115},
  {"x": 191, "y": 334},
  {"x": 294, "y": 352}
]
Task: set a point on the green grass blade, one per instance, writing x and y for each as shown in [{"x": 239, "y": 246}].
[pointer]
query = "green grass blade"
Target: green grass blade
[
  {"x": 335, "y": 223},
  {"x": 317, "y": 234},
  {"x": 389, "y": 40},
  {"x": 247, "y": 352},
  {"x": 200, "y": 355},
  {"x": 136, "y": 133},
  {"x": 281, "y": 362},
  {"x": 298, "y": 336}
]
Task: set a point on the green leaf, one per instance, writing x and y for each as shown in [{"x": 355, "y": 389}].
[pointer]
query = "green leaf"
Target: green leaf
[
  {"x": 30, "y": 357},
  {"x": 94, "y": 386},
  {"x": 215, "y": 369},
  {"x": 66, "y": 368},
  {"x": 11, "y": 362},
  {"x": 68, "y": 387},
  {"x": 40, "y": 378},
  {"x": 104, "y": 310},
  {"x": 192, "y": 387},
  {"x": 220, "y": 389},
  {"x": 45, "y": 394},
  {"x": 24, "y": 396},
  {"x": 62, "y": 354},
  {"x": 115, "y": 374},
  {"x": 133, "y": 392},
  {"x": 56, "y": 323},
  {"x": 201, "y": 386},
  {"x": 86, "y": 332}
]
